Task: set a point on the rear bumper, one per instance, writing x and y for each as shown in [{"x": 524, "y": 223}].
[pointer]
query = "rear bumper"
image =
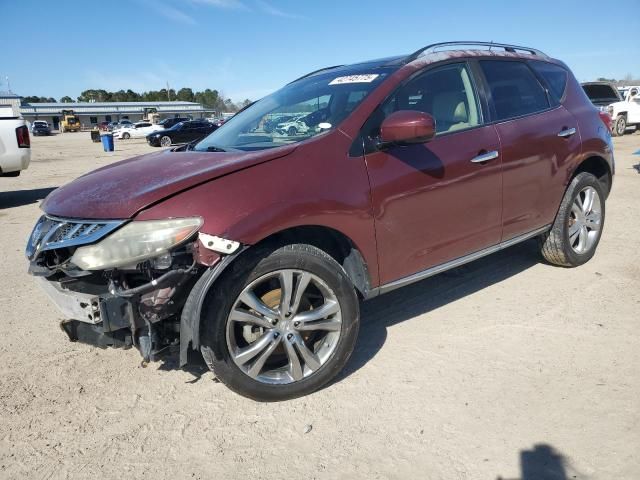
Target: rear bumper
[{"x": 15, "y": 161}]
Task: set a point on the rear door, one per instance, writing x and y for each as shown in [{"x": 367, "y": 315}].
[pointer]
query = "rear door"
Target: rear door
[
  {"x": 539, "y": 138},
  {"x": 431, "y": 202}
]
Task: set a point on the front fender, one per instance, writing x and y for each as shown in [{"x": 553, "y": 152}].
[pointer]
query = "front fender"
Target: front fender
[{"x": 318, "y": 184}]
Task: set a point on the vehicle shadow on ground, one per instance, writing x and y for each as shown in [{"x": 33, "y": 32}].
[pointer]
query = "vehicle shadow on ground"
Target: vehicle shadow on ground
[
  {"x": 19, "y": 198},
  {"x": 423, "y": 297},
  {"x": 541, "y": 463}
]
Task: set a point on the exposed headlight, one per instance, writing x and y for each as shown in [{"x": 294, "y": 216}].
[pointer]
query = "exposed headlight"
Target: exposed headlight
[
  {"x": 135, "y": 242},
  {"x": 610, "y": 110}
]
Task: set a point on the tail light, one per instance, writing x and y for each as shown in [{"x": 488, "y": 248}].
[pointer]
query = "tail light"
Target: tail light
[
  {"x": 606, "y": 119},
  {"x": 22, "y": 135}
]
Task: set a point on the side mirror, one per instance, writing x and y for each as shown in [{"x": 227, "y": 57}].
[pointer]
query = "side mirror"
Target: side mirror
[{"x": 406, "y": 127}]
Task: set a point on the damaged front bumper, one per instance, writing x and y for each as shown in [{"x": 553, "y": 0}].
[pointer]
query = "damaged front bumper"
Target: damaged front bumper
[{"x": 135, "y": 305}]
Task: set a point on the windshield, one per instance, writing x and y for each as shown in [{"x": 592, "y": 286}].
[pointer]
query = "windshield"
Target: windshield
[
  {"x": 601, "y": 92},
  {"x": 300, "y": 110}
]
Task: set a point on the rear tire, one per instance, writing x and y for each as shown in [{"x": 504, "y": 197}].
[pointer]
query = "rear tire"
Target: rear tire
[
  {"x": 577, "y": 229},
  {"x": 619, "y": 126},
  {"x": 299, "y": 354},
  {"x": 126, "y": 136}
]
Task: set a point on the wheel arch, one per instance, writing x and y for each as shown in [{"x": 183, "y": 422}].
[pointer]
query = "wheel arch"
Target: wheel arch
[
  {"x": 597, "y": 166},
  {"x": 333, "y": 242}
]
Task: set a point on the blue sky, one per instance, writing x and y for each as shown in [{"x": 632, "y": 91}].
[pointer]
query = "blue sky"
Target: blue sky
[{"x": 248, "y": 48}]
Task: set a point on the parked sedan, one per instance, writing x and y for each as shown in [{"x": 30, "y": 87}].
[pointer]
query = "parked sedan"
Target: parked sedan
[
  {"x": 183, "y": 132},
  {"x": 37, "y": 123},
  {"x": 40, "y": 128},
  {"x": 137, "y": 130},
  {"x": 170, "y": 122}
]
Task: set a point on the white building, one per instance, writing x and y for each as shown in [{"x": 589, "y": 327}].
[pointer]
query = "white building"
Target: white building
[
  {"x": 11, "y": 101},
  {"x": 93, "y": 113}
]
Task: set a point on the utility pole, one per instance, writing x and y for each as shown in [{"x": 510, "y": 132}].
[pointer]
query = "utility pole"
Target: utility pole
[{"x": 168, "y": 94}]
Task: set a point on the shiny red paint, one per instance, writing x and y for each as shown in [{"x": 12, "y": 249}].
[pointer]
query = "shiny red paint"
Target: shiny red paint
[
  {"x": 404, "y": 208},
  {"x": 408, "y": 126},
  {"x": 535, "y": 165},
  {"x": 120, "y": 190},
  {"x": 431, "y": 204}
]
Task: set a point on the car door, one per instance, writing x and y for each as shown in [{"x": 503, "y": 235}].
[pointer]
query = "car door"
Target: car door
[
  {"x": 539, "y": 139},
  {"x": 202, "y": 130},
  {"x": 182, "y": 133},
  {"x": 195, "y": 131},
  {"x": 437, "y": 201}
]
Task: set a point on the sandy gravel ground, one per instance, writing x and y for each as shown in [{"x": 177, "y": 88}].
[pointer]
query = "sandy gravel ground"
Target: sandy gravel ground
[{"x": 493, "y": 371}]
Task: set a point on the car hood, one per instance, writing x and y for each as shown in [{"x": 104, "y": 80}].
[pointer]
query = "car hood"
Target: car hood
[{"x": 120, "y": 190}]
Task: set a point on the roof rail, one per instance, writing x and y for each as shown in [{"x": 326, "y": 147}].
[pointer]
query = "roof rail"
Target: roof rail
[
  {"x": 314, "y": 72},
  {"x": 507, "y": 48}
]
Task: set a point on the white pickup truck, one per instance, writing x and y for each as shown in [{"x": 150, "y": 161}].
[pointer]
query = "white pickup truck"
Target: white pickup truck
[
  {"x": 623, "y": 106},
  {"x": 15, "y": 144},
  {"x": 627, "y": 112}
]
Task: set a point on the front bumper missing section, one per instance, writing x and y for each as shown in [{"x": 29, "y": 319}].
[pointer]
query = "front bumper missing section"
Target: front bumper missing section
[
  {"x": 78, "y": 306},
  {"x": 155, "y": 317},
  {"x": 100, "y": 321}
]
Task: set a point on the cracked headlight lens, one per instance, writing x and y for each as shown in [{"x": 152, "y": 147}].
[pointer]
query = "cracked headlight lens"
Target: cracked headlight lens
[{"x": 136, "y": 242}]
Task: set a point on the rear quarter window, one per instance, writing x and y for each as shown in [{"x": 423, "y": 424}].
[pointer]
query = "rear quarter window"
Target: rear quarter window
[{"x": 554, "y": 76}]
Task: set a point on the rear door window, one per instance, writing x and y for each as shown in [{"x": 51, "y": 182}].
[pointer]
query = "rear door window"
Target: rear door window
[
  {"x": 554, "y": 75},
  {"x": 515, "y": 90}
]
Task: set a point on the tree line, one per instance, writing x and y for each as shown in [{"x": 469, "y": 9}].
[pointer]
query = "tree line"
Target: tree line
[
  {"x": 627, "y": 80},
  {"x": 212, "y": 99}
]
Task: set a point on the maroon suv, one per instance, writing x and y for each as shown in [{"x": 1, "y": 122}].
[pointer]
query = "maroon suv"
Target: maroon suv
[{"x": 254, "y": 247}]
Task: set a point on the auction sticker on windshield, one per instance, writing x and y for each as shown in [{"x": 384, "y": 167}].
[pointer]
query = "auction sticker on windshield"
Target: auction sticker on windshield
[{"x": 368, "y": 78}]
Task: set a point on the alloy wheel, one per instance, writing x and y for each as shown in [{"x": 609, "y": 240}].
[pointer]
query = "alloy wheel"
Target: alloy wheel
[
  {"x": 284, "y": 326},
  {"x": 621, "y": 126},
  {"x": 585, "y": 220},
  {"x": 165, "y": 141}
]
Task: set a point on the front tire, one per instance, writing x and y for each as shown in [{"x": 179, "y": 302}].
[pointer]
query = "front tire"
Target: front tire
[
  {"x": 280, "y": 324},
  {"x": 577, "y": 229},
  {"x": 165, "y": 141},
  {"x": 126, "y": 136},
  {"x": 619, "y": 126}
]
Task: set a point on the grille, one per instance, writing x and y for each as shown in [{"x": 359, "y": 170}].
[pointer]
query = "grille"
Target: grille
[{"x": 51, "y": 233}]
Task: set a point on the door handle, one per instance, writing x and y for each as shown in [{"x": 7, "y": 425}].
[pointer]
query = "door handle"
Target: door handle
[
  {"x": 485, "y": 157},
  {"x": 567, "y": 132}
]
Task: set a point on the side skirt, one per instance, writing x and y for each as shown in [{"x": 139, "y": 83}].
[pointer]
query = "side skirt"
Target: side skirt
[{"x": 429, "y": 272}]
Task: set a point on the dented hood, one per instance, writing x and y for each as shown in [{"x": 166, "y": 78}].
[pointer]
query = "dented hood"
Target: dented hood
[{"x": 120, "y": 190}]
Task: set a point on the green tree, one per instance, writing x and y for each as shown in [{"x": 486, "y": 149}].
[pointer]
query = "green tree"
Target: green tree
[
  {"x": 32, "y": 99},
  {"x": 229, "y": 106},
  {"x": 185, "y": 95},
  {"x": 66, "y": 99}
]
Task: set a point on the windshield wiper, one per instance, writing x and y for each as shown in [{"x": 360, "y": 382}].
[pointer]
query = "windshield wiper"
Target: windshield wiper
[{"x": 213, "y": 148}]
